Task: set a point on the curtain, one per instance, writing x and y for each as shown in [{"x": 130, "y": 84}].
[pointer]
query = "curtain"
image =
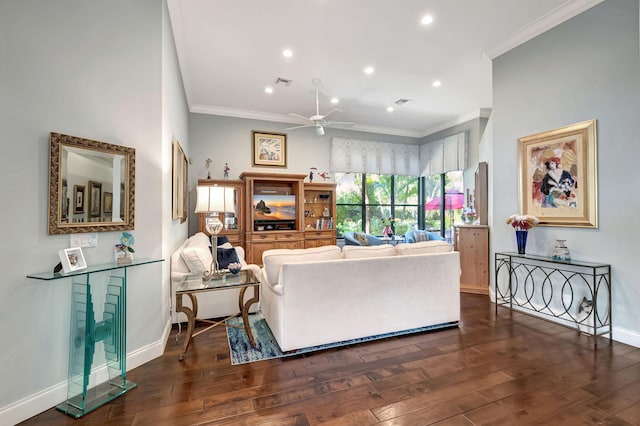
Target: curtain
[
  {"x": 360, "y": 156},
  {"x": 444, "y": 155}
]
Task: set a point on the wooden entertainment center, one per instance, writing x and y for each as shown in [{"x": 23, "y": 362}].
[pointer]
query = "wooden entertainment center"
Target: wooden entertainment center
[{"x": 304, "y": 217}]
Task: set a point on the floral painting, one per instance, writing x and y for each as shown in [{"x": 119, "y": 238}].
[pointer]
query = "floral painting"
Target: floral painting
[
  {"x": 269, "y": 149},
  {"x": 558, "y": 182}
]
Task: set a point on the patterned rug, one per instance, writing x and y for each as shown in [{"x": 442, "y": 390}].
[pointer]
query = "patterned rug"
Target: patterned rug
[{"x": 243, "y": 352}]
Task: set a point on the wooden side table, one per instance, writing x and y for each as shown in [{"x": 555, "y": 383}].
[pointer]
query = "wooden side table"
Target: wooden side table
[{"x": 472, "y": 241}]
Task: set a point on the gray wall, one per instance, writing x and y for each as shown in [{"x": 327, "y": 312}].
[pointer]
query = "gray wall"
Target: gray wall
[
  {"x": 92, "y": 69},
  {"x": 588, "y": 67},
  {"x": 226, "y": 139}
]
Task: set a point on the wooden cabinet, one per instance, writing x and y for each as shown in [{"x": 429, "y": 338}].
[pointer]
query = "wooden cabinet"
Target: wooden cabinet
[
  {"x": 278, "y": 222},
  {"x": 233, "y": 221},
  {"x": 319, "y": 214},
  {"x": 472, "y": 241}
]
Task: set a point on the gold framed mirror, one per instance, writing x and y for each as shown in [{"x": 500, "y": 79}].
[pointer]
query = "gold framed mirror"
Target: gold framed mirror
[{"x": 107, "y": 171}]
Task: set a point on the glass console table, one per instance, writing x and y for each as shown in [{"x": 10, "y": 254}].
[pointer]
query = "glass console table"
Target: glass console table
[
  {"x": 87, "y": 331},
  {"x": 573, "y": 293}
]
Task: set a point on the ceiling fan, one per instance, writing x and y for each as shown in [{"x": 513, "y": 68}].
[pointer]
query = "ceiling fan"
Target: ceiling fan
[{"x": 319, "y": 121}]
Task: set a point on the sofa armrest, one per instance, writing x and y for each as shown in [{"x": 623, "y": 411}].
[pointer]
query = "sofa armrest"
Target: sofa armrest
[{"x": 276, "y": 288}]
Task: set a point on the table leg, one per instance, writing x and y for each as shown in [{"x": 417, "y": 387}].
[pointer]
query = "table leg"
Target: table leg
[
  {"x": 244, "y": 308},
  {"x": 191, "y": 319}
]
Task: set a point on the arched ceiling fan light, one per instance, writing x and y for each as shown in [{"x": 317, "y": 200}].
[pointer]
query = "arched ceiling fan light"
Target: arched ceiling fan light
[{"x": 320, "y": 130}]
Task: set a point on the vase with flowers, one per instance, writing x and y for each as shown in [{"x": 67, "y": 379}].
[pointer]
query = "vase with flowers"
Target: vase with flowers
[
  {"x": 522, "y": 223},
  {"x": 387, "y": 231}
]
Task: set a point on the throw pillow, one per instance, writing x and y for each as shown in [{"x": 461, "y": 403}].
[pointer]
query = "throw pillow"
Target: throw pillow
[
  {"x": 222, "y": 239},
  {"x": 361, "y": 237},
  {"x": 198, "y": 259},
  {"x": 226, "y": 256},
  {"x": 420, "y": 235}
]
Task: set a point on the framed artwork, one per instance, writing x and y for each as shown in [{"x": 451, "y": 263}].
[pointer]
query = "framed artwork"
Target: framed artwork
[
  {"x": 558, "y": 176},
  {"x": 180, "y": 182},
  {"x": 107, "y": 202},
  {"x": 95, "y": 199},
  {"x": 78, "y": 199},
  {"x": 65, "y": 201},
  {"x": 269, "y": 149},
  {"x": 72, "y": 259}
]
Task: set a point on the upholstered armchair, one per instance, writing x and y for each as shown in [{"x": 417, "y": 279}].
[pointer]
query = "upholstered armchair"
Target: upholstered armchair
[
  {"x": 351, "y": 240},
  {"x": 410, "y": 236}
]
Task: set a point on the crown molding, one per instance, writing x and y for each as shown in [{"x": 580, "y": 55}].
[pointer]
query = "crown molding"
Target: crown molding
[
  {"x": 285, "y": 118},
  {"x": 552, "y": 19},
  {"x": 481, "y": 113}
]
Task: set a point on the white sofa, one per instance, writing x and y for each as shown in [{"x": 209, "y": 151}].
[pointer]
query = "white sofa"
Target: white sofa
[
  {"x": 322, "y": 295},
  {"x": 194, "y": 256}
]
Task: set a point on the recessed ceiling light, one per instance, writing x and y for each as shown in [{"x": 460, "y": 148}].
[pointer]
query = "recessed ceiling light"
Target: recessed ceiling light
[
  {"x": 368, "y": 70},
  {"x": 389, "y": 109},
  {"x": 426, "y": 20},
  {"x": 287, "y": 53},
  {"x": 335, "y": 100},
  {"x": 268, "y": 90},
  {"x": 436, "y": 83}
]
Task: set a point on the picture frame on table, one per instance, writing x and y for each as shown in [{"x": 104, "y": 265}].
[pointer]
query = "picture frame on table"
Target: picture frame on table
[
  {"x": 269, "y": 149},
  {"x": 558, "y": 176},
  {"x": 72, "y": 259}
]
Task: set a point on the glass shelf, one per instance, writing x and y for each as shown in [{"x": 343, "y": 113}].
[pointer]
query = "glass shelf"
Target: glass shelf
[{"x": 87, "y": 330}]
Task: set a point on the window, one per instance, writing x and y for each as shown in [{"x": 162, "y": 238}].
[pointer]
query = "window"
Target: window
[
  {"x": 364, "y": 200},
  {"x": 447, "y": 187}
]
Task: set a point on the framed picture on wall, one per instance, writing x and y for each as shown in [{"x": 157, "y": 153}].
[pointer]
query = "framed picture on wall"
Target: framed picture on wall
[
  {"x": 95, "y": 199},
  {"x": 269, "y": 149},
  {"x": 107, "y": 202},
  {"x": 180, "y": 182},
  {"x": 558, "y": 176},
  {"x": 78, "y": 199}
]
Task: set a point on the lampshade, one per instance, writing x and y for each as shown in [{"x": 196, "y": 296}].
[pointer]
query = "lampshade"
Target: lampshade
[{"x": 218, "y": 199}]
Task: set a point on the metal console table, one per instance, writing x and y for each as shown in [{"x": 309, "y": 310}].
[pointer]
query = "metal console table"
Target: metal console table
[
  {"x": 573, "y": 293},
  {"x": 87, "y": 331}
]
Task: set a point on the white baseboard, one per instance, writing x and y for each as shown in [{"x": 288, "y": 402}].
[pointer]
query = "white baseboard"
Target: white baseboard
[
  {"x": 50, "y": 397},
  {"x": 628, "y": 337}
]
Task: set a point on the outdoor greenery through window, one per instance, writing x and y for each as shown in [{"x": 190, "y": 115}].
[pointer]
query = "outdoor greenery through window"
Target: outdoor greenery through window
[{"x": 364, "y": 201}]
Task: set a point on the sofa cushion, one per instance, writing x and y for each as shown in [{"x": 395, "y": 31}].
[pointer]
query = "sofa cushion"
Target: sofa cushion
[
  {"x": 358, "y": 252},
  {"x": 420, "y": 235},
  {"x": 199, "y": 237},
  {"x": 274, "y": 258},
  {"x": 361, "y": 237},
  {"x": 424, "y": 247}
]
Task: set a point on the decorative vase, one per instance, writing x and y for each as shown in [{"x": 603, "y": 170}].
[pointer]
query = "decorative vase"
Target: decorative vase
[
  {"x": 387, "y": 231},
  {"x": 561, "y": 251},
  {"x": 521, "y": 241}
]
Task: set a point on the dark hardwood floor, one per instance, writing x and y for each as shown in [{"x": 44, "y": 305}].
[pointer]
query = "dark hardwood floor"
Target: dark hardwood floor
[{"x": 509, "y": 370}]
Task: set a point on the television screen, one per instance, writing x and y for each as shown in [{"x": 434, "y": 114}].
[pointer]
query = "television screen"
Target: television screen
[{"x": 274, "y": 207}]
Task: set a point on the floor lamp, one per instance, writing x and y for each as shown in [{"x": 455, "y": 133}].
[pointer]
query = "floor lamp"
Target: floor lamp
[{"x": 214, "y": 200}]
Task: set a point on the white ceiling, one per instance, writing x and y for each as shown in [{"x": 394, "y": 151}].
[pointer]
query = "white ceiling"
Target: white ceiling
[{"x": 230, "y": 50}]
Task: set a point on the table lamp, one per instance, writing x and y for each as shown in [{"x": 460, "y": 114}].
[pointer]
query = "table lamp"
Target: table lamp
[{"x": 214, "y": 200}]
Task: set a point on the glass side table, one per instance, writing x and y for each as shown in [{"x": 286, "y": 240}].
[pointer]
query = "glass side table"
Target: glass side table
[
  {"x": 194, "y": 284},
  {"x": 86, "y": 331}
]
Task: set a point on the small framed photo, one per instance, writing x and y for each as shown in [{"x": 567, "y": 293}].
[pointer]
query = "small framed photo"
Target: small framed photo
[
  {"x": 107, "y": 202},
  {"x": 78, "y": 199},
  {"x": 95, "y": 199},
  {"x": 269, "y": 149},
  {"x": 72, "y": 259}
]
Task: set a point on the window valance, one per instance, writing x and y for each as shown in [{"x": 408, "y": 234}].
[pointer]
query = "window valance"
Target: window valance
[
  {"x": 444, "y": 155},
  {"x": 360, "y": 156}
]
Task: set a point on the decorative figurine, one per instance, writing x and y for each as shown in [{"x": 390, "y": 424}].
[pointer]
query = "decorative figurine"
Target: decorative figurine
[
  {"x": 208, "y": 162},
  {"x": 324, "y": 176},
  {"x": 226, "y": 170},
  {"x": 311, "y": 170}
]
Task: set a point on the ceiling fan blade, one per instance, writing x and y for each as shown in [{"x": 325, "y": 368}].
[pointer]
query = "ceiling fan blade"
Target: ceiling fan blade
[
  {"x": 300, "y": 127},
  {"x": 339, "y": 124},
  {"x": 331, "y": 112},
  {"x": 293, "y": 114}
]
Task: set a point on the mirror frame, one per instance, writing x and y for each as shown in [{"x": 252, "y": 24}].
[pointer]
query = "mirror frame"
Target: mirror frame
[{"x": 55, "y": 225}]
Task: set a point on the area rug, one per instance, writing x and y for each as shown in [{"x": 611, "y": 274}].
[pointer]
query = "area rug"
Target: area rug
[{"x": 243, "y": 352}]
